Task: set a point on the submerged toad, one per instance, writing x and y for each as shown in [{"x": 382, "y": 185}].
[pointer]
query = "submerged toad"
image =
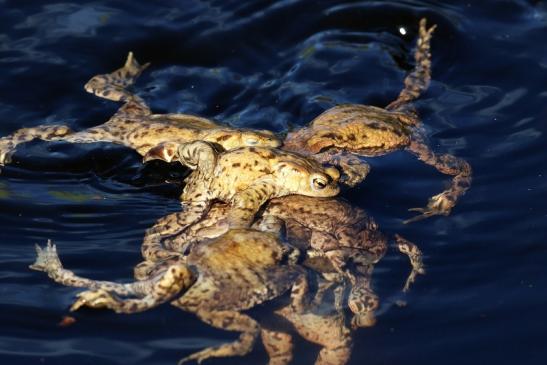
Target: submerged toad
[
  {"x": 344, "y": 132},
  {"x": 217, "y": 280},
  {"x": 134, "y": 125},
  {"x": 245, "y": 177}
]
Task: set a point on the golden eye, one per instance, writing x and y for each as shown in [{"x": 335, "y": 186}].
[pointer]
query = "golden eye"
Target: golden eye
[{"x": 319, "y": 183}]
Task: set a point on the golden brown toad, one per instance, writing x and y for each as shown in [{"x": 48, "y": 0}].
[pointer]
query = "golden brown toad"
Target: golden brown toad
[
  {"x": 245, "y": 177},
  {"x": 344, "y": 132},
  {"x": 216, "y": 281},
  {"x": 134, "y": 125}
]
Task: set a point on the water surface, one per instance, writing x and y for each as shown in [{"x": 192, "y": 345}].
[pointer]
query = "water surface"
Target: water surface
[{"x": 276, "y": 65}]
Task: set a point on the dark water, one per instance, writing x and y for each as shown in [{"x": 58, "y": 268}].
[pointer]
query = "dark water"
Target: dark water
[{"x": 273, "y": 65}]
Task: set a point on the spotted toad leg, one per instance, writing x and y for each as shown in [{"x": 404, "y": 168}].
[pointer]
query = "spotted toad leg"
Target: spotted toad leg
[
  {"x": 148, "y": 269},
  {"x": 414, "y": 255},
  {"x": 48, "y": 261},
  {"x": 104, "y": 293},
  {"x": 278, "y": 345},
  {"x": 442, "y": 204},
  {"x": 326, "y": 245},
  {"x": 113, "y": 86},
  {"x": 158, "y": 290},
  {"x": 230, "y": 321},
  {"x": 243, "y": 207},
  {"x": 246, "y": 204},
  {"x": 9, "y": 143},
  {"x": 418, "y": 80},
  {"x": 354, "y": 170}
]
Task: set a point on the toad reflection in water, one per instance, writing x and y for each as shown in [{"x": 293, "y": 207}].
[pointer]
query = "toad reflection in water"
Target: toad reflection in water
[
  {"x": 243, "y": 268},
  {"x": 340, "y": 241}
]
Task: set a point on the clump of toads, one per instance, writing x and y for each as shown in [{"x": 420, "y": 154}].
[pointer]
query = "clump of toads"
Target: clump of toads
[{"x": 260, "y": 217}]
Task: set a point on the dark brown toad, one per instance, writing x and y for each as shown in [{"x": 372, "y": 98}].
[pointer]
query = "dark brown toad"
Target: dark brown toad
[{"x": 341, "y": 134}]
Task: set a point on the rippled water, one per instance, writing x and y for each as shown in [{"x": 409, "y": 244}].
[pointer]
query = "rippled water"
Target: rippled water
[{"x": 277, "y": 64}]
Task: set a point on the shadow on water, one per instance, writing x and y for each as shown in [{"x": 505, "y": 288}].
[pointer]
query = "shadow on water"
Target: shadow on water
[{"x": 277, "y": 65}]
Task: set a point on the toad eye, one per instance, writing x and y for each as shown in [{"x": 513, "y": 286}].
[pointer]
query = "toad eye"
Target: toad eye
[{"x": 320, "y": 183}]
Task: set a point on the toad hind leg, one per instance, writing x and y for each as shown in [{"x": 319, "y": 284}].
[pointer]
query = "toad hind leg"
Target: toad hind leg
[
  {"x": 104, "y": 293},
  {"x": 418, "y": 80},
  {"x": 159, "y": 290},
  {"x": 113, "y": 86},
  {"x": 48, "y": 261},
  {"x": 9, "y": 143},
  {"x": 442, "y": 204},
  {"x": 230, "y": 321}
]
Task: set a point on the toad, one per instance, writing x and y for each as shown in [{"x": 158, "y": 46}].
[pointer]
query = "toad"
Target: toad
[
  {"x": 134, "y": 125},
  {"x": 345, "y": 132},
  {"x": 245, "y": 177}
]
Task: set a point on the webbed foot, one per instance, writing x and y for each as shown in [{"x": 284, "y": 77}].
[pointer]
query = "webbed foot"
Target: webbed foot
[
  {"x": 354, "y": 173},
  {"x": 440, "y": 204},
  {"x": 198, "y": 357},
  {"x": 46, "y": 258},
  {"x": 93, "y": 299}
]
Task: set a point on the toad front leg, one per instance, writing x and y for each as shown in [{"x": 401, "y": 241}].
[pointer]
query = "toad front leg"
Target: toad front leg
[
  {"x": 47, "y": 260},
  {"x": 442, "y": 204},
  {"x": 246, "y": 204},
  {"x": 230, "y": 321},
  {"x": 158, "y": 243},
  {"x": 243, "y": 207},
  {"x": 353, "y": 168}
]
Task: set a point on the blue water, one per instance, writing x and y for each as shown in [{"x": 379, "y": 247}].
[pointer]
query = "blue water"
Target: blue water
[{"x": 277, "y": 64}]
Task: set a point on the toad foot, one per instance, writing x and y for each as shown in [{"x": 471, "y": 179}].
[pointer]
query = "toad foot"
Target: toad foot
[
  {"x": 46, "y": 258},
  {"x": 93, "y": 299},
  {"x": 440, "y": 204}
]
